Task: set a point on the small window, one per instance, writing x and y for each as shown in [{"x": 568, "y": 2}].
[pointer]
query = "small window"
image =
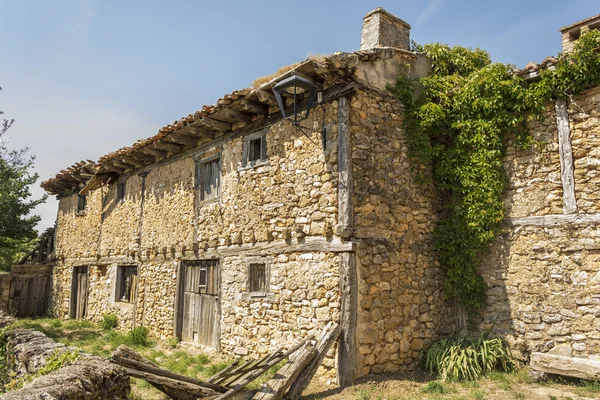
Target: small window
[
  {"x": 258, "y": 277},
  {"x": 209, "y": 175},
  {"x": 202, "y": 277},
  {"x": 81, "y": 203},
  {"x": 255, "y": 148},
  {"x": 126, "y": 284},
  {"x": 120, "y": 192}
]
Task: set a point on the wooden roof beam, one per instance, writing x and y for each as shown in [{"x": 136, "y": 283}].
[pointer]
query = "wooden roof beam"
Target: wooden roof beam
[
  {"x": 185, "y": 140},
  {"x": 266, "y": 97},
  {"x": 172, "y": 147},
  {"x": 239, "y": 115},
  {"x": 156, "y": 153},
  {"x": 134, "y": 161},
  {"x": 256, "y": 108},
  {"x": 215, "y": 124}
]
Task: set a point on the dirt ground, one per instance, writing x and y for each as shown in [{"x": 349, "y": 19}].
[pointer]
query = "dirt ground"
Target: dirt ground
[{"x": 419, "y": 386}]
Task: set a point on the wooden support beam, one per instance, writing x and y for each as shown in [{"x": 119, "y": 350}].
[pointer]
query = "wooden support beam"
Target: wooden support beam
[
  {"x": 566, "y": 157},
  {"x": 154, "y": 152},
  {"x": 215, "y": 124},
  {"x": 256, "y": 108},
  {"x": 110, "y": 166},
  {"x": 345, "y": 182},
  {"x": 183, "y": 139},
  {"x": 238, "y": 115},
  {"x": 574, "y": 367},
  {"x": 266, "y": 97},
  {"x": 172, "y": 147},
  {"x": 132, "y": 160},
  {"x": 555, "y": 220}
]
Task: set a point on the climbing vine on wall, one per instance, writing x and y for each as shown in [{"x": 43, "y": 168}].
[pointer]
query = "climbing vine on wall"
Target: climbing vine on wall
[{"x": 456, "y": 120}]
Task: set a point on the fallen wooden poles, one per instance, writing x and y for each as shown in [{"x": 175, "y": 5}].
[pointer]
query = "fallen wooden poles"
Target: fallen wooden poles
[
  {"x": 304, "y": 360},
  {"x": 297, "y": 374},
  {"x": 174, "y": 385}
]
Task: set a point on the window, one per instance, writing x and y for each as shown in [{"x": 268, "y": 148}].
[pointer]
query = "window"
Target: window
[
  {"x": 255, "y": 148},
  {"x": 81, "y": 203},
  {"x": 209, "y": 176},
  {"x": 126, "y": 284},
  {"x": 258, "y": 277},
  {"x": 202, "y": 277},
  {"x": 120, "y": 192}
]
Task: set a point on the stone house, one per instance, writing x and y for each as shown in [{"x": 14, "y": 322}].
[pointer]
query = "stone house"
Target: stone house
[
  {"x": 238, "y": 229},
  {"x": 242, "y": 231}
]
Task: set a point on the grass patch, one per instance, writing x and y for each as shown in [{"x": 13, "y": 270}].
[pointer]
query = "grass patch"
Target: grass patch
[
  {"x": 434, "y": 387},
  {"x": 93, "y": 339}
]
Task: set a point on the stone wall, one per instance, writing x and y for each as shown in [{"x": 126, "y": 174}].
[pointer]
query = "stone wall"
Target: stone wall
[
  {"x": 401, "y": 302},
  {"x": 78, "y": 232},
  {"x": 534, "y": 184},
  {"x": 289, "y": 199},
  {"x": 543, "y": 276},
  {"x": 303, "y": 298}
]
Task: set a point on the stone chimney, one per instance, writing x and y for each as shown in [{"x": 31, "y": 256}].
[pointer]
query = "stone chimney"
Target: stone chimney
[
  {"x": 382, "y": 29},
  {"x": 571, "y": 33}
]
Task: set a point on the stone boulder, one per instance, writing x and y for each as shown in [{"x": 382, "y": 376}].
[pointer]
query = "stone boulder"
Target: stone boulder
[{"x": 90, "y": 377}]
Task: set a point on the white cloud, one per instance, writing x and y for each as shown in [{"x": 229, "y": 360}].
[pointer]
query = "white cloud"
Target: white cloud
[
  {"x": 87, "y": 10},
  {"x": 433, "y": 6}
]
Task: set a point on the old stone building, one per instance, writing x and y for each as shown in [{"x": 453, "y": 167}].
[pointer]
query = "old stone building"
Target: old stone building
[{"x": 242, "y": 230}]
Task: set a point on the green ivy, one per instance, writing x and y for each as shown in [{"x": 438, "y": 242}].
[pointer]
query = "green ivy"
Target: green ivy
[{"x": 456, "y": 121}]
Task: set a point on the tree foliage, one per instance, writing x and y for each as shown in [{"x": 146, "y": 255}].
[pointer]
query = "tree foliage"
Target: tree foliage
[
  {"x": 17, "y": 225},
  {"x": 456, "y": 121}
]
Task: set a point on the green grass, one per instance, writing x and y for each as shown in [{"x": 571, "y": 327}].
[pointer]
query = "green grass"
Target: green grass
[
  {"x": 588, "y": 388},
  {"x": 434, "y": 387},
  {"x": 91, "y": 338}
]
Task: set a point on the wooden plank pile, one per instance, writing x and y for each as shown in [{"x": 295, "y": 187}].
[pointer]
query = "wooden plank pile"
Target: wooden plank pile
[{"x": 290, "y": 380}]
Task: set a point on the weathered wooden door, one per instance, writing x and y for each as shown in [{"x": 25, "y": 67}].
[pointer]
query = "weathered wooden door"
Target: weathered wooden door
[
  {"x": 79, "y": 292},
  {"x": 201, "y": 305},
  {"x": 29, "y": 290}
]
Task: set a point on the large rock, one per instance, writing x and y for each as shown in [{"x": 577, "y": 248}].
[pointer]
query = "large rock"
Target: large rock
[{"x": 90, "y": 377}]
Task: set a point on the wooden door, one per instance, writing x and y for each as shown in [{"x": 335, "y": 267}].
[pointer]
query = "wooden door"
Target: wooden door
[
  {"x": 79, "y": 292},
  {"x": 29, "y": 295},
  {"x": 201, "y": 305}
]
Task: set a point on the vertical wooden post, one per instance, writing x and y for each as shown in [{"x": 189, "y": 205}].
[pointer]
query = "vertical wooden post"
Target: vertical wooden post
[
  {"x": 345, "y": 208},
  {"x": 346, "y": 371},
  {"x": 566, "y": 157},
  {"x": 347, "y": 366}
]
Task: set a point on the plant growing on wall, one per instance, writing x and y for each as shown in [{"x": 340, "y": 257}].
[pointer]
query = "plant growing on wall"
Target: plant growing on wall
[{"x": 456, "y": 120}]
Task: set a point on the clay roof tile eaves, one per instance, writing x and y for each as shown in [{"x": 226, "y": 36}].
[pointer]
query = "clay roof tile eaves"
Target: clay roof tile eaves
[{"x": 318, "y": 64}]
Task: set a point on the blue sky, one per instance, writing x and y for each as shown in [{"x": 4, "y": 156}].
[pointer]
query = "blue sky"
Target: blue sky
[{"x": 85, "y": 77}]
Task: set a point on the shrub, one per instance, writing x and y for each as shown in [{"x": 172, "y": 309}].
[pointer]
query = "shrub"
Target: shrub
[
  {"x": 139, "y": 336},
  {"x": 109, "y": 321},
  {"x": 462, "y": 358}
]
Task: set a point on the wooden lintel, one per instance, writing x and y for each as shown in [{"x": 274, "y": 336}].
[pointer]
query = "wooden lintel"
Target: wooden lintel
[
  {"x": 256, "y": 108},
  {"x": 215, "y": 124}
]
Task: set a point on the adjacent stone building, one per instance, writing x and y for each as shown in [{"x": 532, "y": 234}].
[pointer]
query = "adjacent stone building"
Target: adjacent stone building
[{"x": 243, "y": 231}]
